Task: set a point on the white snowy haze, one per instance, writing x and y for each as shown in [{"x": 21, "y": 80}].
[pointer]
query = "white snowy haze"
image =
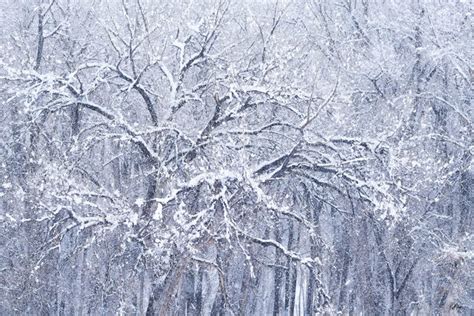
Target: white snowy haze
[{"x": 236, "y": 157}]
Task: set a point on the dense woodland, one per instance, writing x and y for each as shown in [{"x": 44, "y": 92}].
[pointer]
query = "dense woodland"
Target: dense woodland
[{"x": 209, "y": 157}]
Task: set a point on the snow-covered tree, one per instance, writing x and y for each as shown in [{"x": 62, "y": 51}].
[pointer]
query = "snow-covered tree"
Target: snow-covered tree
[{"x": 236, "y": 157}]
